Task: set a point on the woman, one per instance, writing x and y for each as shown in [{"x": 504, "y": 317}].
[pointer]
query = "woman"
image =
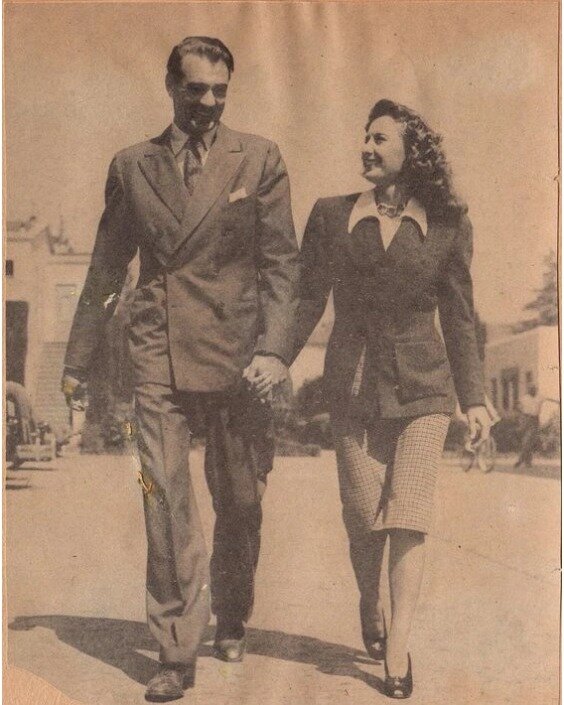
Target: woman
[{"x": 392, "y": 256}]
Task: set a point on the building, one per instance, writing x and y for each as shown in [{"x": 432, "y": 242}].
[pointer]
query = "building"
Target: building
[
  {"x": 44, "y": 278},
  {"x": 514, "y": 362}
]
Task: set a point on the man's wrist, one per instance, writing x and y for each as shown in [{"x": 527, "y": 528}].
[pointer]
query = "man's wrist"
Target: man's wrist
[{"x": 265, "y": 353}]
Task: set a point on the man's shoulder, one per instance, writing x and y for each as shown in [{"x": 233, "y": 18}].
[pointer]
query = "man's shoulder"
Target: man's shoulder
[
  {"x": 139, "y": 149},
  {"x": 247, "y": 138}
]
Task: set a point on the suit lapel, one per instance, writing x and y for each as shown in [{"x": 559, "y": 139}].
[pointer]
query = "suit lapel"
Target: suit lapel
[
  {"x": 224, "y": 159},
  {"x": 162, "y": 173}
]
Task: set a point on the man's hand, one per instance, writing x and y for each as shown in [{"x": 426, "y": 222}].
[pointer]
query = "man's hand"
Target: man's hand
[
  {"x": 264, "y": 373},
  {"x": 75, "y": 393},
  {"x": 479, "y": 423}
]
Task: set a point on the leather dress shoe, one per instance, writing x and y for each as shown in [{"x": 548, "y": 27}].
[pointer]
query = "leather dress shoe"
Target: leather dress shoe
[
  {"x": 230, "y": 642},
  {"x": 167, "y": 684}
]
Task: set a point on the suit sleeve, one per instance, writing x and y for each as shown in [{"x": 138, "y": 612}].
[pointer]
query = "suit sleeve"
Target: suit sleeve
[
  {"x": 456, "y": 311},
  {"x": 277, "y": 259},
  {"x": 315, "y": 278},
  {"x": 114, "y": 249}
]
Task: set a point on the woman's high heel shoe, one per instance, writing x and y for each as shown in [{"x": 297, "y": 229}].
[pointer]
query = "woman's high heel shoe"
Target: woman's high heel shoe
[
  {"x": 375, "y": 645},
  {"x": 398, "y": 687}
]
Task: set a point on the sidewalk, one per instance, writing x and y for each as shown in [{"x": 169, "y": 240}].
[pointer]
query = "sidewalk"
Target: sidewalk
[{"x": 486, "y": 630}]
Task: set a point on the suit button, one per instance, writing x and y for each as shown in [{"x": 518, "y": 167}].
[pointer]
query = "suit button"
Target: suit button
[{"x": 219, "y": 308}]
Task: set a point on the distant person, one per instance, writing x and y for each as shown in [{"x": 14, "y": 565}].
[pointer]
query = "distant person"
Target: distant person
[
  {"x": 393, "y": 255},
  {"x": 208, "y": 209},
  {"x": 529, "y": 407}
]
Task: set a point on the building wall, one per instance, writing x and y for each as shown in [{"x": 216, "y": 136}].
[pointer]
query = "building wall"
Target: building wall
[
  {"x": 65, "y": 277},
  {"x": 514, "y": 362},
  {"x": 50, "y": 284},
  {"x": 28, "y": 284}
]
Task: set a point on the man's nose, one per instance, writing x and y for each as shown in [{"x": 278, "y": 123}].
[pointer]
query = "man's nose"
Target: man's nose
[{"x": 208, "y": 99}]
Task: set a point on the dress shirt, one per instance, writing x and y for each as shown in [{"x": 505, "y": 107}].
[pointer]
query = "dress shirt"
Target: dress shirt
[
  {"x": 366, "y": 207},
  {"x": 178, "y": 140}
]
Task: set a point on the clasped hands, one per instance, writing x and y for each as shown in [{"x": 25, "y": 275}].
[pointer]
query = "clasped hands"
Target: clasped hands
[{"x": 264, "y": 374}]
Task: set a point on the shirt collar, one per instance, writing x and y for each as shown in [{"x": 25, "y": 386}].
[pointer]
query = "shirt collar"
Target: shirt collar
[
  {"x": 178, "y": 138},
  {"x": 365, "y": 207}
]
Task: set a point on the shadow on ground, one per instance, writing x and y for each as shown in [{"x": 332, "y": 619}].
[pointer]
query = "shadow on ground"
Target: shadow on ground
[
  {"x": 118, "y": 642},
  {"x": 549, "y": 472}
]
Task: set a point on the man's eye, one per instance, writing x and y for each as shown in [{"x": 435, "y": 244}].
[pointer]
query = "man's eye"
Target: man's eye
[{"x": 195, "y": 89}]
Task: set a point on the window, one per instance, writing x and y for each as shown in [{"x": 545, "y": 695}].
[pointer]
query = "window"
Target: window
[
  {"x": 9, "y": 267},
  {"x": 510, "y": 388},
  {"x": 528, "y": 379},
  {"x": 494, "y": 391}
]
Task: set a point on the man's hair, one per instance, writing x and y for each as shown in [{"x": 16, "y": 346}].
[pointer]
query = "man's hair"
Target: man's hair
[{"x": 213, "y": 49}]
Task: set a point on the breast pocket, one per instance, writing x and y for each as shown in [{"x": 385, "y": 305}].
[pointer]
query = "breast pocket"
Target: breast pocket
[{"x": 423, "y": 369}]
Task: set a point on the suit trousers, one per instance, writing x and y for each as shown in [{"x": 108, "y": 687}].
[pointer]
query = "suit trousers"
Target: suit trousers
[{"x": 239, "y": 454}]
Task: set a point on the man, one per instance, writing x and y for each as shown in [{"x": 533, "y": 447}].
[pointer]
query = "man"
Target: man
[
  {"x": 529, "y": 406},
  {"x": 209, "y": 211}
]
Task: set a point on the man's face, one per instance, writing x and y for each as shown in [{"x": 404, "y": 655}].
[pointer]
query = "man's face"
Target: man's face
[{"x": 199, "y": 97}]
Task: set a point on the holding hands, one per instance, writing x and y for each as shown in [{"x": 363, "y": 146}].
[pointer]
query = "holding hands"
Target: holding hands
[{"x": 264, "y": 375}]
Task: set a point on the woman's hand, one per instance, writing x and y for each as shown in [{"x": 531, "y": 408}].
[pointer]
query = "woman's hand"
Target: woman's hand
[{"x": 479, "y": 423}]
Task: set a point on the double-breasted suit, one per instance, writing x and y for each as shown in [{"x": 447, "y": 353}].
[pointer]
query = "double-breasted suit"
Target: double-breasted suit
[{"x": 217, "y": 283}]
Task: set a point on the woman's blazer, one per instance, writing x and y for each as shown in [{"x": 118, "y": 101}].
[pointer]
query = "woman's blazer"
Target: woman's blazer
[{"x": 385, "y": 302}]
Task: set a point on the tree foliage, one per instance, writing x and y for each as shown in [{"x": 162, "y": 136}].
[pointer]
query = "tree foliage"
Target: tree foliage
[{"x": 544, "y": 306}]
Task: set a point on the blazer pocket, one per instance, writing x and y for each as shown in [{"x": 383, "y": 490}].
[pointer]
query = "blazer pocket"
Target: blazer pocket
[{"x": 423, "y": 369}]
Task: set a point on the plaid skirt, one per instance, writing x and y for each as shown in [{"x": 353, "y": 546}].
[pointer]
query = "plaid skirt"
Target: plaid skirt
[{"x": 387, "y": 469}]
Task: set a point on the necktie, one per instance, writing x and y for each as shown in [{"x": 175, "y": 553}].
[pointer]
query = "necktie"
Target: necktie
[{"x": 192, "y": 164}]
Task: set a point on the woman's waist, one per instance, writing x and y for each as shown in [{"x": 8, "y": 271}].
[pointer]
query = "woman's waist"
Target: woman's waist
[{"x": 385, "y": 326}]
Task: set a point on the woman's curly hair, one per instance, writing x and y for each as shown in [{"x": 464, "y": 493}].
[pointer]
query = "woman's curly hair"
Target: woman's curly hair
[{"x": 425, "y": 171}]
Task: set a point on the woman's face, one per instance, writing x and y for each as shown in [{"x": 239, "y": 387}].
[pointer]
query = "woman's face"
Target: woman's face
[{"x": 383, "y": 152}]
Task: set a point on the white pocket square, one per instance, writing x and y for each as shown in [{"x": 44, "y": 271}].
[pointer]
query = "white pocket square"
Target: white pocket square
[{"x": 237, "y": 195}]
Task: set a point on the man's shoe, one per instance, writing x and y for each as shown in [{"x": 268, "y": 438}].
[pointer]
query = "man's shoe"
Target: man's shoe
[
  {"x": 230, "y": 642},
  {"x": 167, "y": 684}
]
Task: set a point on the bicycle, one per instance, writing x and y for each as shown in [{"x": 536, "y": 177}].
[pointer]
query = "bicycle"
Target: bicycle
[{"x": 483, "y": 454}]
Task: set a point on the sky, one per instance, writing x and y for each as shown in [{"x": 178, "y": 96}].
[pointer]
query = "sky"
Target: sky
[{"x": 85, "y": 80}]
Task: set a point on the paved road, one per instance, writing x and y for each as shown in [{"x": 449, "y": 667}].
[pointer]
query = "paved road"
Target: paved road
[{"x": 486, "y": 631}]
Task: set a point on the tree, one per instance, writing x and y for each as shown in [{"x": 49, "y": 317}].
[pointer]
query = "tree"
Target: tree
[{"x": 545, "y": 304}]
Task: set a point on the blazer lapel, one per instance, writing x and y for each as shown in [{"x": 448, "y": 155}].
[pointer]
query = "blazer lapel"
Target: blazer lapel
[
  {"x": 162, "y": 173},
  {"x": 408, "y": 241},
  {"x": 224, "y": 159}
]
